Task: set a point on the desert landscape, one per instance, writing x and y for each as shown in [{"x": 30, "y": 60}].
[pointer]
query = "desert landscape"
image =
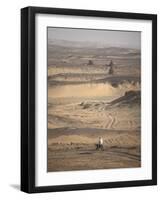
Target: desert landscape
[{"x": 94, "y": 90}]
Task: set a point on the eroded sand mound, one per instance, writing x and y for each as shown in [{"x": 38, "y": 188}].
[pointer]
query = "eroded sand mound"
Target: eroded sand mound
[{"x": 130, "y": 98}]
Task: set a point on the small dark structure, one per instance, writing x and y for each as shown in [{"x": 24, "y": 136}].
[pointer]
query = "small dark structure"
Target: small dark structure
[
  {"x": 111, "y": 63},
  {"x": 90, "y": 62},
  {"x": 111, "y": 69}
]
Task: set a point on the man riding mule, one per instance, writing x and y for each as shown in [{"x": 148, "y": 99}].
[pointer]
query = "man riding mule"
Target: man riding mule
[{"x": 100, "y": 144}]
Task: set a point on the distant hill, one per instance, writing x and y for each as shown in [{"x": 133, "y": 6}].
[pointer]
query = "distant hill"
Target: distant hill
[
  {"x": 130, "y": 98},
  {"x": 87, "y": 44}
]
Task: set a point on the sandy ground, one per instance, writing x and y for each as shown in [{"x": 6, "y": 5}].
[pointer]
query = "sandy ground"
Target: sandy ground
[
  {"x": 121, "y": 149},
  {"x": 86, "y": 102},
  {"x": 85, "y": 157}
]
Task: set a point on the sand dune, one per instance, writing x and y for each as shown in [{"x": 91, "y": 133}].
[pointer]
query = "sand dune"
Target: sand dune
[
  {"x": 121, "y": 113},
  {"x": 86, "y": 102}
]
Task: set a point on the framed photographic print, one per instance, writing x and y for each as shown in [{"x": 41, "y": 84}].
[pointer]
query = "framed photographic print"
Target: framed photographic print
[{"x": 88, "y": 99}]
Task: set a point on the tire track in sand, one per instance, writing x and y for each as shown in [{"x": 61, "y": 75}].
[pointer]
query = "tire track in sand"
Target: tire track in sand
[{"x": 109, "y": 121}]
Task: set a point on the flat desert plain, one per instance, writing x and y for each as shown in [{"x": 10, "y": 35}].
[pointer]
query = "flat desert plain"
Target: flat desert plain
[{"x": 92, "y": 93}]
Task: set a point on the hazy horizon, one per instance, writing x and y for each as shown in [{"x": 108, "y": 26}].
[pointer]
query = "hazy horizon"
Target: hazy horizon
[{"x": 99, "y": 37}]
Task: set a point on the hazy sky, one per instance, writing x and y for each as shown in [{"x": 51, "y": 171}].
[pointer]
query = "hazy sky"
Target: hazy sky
[{"x": 111, "y": 38}]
